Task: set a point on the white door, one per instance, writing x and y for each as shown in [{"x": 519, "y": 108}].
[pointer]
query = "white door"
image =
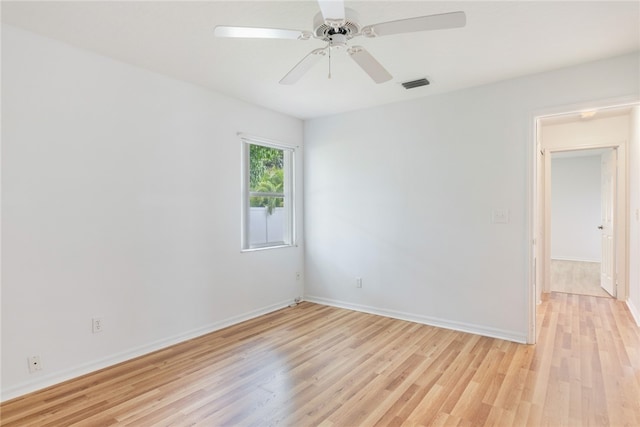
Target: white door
[{"x": 607, "y": 182}]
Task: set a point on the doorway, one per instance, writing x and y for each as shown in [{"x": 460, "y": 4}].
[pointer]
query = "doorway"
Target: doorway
[
  {"x": 582, "y": 188},
  {"x": 601, "y": 127}
]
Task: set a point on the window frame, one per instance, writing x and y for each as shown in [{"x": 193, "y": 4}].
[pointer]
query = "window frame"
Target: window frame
[{"x": 289, "y": 193}]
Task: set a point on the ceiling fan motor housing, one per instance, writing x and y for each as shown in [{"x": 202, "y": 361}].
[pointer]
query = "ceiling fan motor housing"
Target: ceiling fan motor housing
[{"x": 349, "y": 29}]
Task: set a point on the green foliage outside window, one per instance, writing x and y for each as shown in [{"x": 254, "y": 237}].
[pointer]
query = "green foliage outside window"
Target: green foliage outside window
[
  {"x": 266, "y": 175},
  {"x": 263, "y": 160},
  {"x": 272, "y": 182}
]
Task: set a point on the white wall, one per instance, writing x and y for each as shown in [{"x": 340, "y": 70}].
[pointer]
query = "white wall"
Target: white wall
[
  {"x": 435, "y": 168},
  {"x": 121, "y": 199},
  {"x": 634, "y": 215},
  {"x": 575, "y": 208}
]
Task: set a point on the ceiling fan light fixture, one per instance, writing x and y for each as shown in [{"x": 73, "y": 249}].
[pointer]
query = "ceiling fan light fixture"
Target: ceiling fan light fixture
[
  {"x": 338, "y": 42},
  {"x": 415, "y": 83}
]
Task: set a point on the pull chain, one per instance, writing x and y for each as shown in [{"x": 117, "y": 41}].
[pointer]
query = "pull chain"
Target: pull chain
[{"x": 329, "y": 62}]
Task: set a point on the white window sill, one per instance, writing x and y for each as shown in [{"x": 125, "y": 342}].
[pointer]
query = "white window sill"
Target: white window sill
[{"x": 263, "y": 248}]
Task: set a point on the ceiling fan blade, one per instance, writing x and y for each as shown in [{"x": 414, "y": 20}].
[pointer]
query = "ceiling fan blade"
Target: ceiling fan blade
[
  {"x": 303, "y": 66},
  {"x": 260, "y": 33},
  {"x": 422, "y": 23},
  {"x": 332, "y": 11},
  {"x": 369, "y": 64}
]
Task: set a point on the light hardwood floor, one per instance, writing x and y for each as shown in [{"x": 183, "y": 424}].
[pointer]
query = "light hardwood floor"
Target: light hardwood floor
[{"x": 317, "y": 365}]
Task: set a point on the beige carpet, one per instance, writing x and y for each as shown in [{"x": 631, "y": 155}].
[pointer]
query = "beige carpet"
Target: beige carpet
[{"x": 576, "y": 277}]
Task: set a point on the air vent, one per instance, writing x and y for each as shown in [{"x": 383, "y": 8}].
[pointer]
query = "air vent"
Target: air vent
[{"x": 415, "y": 83}]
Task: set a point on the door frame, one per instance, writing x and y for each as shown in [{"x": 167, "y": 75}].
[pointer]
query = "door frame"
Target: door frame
[{"x": 535, "y": 219}]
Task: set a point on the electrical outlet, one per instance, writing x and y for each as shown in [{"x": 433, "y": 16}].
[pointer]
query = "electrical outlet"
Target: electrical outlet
[
  {"x": 358, "y": 282},
  {"x": 34, "y": 364},
  {"x": 97, "y": 324}
]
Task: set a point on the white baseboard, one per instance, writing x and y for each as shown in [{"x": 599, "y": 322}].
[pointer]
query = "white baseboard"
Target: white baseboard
[
  {"x": 426, "y": 320},
  {"x": 634, "y": 312},
  {"x": 61, "y": 376}
]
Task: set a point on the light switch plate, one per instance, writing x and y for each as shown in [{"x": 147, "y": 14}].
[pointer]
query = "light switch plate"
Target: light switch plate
[{"x": 500, "y": 216}]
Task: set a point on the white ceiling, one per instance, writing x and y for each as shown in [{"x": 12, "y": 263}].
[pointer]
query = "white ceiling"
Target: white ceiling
[{"x": 501, "y": 40}]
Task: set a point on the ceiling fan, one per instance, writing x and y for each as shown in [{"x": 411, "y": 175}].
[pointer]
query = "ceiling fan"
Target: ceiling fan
[{"x": 336, "y": 25}]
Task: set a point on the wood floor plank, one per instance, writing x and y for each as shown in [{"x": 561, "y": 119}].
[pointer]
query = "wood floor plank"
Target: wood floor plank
[{"x": 314, "y": 365}]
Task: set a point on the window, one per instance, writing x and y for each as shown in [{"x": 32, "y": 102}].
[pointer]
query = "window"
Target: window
[{"x": 267, "y": 189}]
